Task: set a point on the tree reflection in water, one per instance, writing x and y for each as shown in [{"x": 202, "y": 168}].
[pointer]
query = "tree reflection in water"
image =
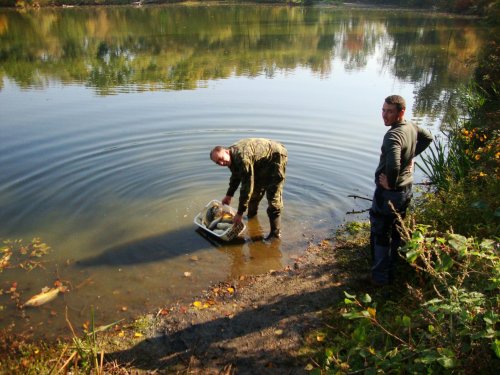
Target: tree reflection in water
[{"x": 126, "y": 49}]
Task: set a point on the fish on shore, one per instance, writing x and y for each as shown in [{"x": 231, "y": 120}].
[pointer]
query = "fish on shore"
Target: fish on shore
[{"x": 47, "y": 295}]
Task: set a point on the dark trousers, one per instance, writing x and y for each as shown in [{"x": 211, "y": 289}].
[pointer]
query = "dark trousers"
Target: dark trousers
[{"x": 384, "y": 237}]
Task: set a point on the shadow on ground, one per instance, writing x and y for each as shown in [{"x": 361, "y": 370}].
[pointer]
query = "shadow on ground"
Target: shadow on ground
[{"x": 248, "y": 341}]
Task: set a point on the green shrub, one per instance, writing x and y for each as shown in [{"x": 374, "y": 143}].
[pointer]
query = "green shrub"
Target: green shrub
[
  {"x": 468, "y": 146},
  {"x": 469, "y": 206},
  {"x": 446, "y": 321}
]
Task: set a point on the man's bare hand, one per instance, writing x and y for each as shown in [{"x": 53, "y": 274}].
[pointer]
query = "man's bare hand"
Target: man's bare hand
[
  {"x": 226, "y": 200},
  {"x": 237, "y": 218},
  {"x": 382, "y": 180}
]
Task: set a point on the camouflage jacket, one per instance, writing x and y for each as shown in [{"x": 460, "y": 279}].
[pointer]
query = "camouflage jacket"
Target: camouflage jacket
[{"x": 253, "y": 161}]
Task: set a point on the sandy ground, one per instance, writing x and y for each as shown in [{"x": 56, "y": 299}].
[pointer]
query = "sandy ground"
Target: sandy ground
[{"x": 255, "y": 327}]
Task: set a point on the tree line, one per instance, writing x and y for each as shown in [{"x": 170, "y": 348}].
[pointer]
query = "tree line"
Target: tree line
[{"x": 469, "y": 7}]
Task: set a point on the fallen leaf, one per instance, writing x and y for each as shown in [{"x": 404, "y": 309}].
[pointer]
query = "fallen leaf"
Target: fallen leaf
[
  {"x": 124, "y": 308},
  {"x": 121, "y": 334},
  {"x": 230, "y": 290},
  {"x": 4, "y": 261},
  {"x": 194, "y": 258},
  {"x": 278, "y": 332},
  {"x": 197, "y": 304},
  {"x": 372, "y": 312},
  {"x": 138, "y": 334},
  {"x": 187, "y": 274}
]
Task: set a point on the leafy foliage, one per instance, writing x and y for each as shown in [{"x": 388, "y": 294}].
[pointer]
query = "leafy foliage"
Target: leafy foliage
[
  {"x": 464, "y": 167},
  {"x": 446, "y": 320},
  {"x": 467, "y": 148},
  {"x": 470, "y": 207}
]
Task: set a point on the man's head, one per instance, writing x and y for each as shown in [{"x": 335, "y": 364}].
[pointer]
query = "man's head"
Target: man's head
[
  {"x": 393, "y": 110},
  {"x": 220, "y": 155}
]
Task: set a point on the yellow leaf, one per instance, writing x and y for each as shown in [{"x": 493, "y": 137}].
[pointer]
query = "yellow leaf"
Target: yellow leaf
[
  {"x": 372, "y": 312},
  {"x": 278, "y": 332},
  {"x": 230, "y": 290},
  {"x": 320, "y": 337},
  {"x": 121, "y": 334},
  {"x": 137, "y": 334},
  {"x": 197, "y": 304}
]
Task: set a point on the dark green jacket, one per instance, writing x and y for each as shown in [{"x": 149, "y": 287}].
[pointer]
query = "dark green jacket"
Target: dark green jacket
[
  {"x": 402, "y": 142},
  {"x": 253, "y": 161}
]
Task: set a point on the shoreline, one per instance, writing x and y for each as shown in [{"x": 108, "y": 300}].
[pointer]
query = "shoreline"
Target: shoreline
[
  {"x": 241, "y": 325},
  {"x": 321, "y": 4},
  {"x": 256, "y": 324}
]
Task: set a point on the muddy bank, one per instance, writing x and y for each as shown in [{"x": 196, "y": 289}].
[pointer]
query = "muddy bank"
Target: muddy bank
[{"x": 257, "y": 325}]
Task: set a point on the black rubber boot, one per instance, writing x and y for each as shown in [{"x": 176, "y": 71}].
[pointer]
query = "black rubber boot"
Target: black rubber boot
[
  {"x": 252, "y": 210},
  {"x": 275, "y": 232}
]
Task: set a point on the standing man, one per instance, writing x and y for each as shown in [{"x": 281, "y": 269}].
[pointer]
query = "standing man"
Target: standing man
[
  {"x": 393, "y": 178},
  {"x": 259, "y": 165}
]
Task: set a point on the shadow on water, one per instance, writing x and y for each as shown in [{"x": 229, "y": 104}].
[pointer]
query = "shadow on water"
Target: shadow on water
[
  {"x": 173, "y": 244},
  {"x": 155, "y": 248},
  {"x": 208, "y": 339}
]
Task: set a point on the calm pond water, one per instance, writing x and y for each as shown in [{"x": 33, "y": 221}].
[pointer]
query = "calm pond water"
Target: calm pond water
[{"x": 108, "y": 114}]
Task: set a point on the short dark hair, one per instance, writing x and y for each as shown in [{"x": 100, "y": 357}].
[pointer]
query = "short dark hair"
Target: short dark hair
[
  {"x": 216, "y": 149},
  {"x": 397, "y": 100}
]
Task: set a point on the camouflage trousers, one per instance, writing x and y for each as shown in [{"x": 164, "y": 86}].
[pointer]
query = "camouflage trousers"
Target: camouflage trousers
[{"x": 269, "y": 181}]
